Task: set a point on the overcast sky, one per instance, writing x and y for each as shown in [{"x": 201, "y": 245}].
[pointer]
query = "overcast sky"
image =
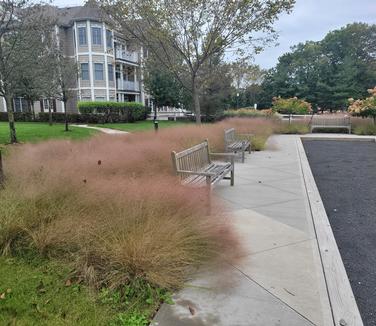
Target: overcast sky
[{"x": 309, "y": 20}]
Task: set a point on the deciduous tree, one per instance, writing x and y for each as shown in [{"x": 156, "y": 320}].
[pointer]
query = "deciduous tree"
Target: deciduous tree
[
  {"x": 195, "y": 30},
  {"x": 328, "y": 72},
  {"x": 21, "y": 29}
]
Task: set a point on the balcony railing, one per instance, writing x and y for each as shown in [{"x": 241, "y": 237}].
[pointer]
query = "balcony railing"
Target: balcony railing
[
  {"x": 127, "y": 55},
  {"x": 127, "y": 85}
]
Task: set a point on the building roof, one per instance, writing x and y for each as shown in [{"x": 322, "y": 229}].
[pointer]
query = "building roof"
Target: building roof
[{"x": 68, "y": 15}]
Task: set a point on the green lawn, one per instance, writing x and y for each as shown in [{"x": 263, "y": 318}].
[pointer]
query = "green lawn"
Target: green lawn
[
  {"x": 34, "y": 291},
  {"x": 41, "y": 293},
  {"x": 37, "y": 131},
  {"x": 142, "y": 125}
]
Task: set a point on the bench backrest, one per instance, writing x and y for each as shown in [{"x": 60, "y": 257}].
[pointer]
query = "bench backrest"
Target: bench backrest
[
  {"x": 195, "y": 158},
  {"x": 330, "y": 121},
  {"x": 230, "y": 136}
]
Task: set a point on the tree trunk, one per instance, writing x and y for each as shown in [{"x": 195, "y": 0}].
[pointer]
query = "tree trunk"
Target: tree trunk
[
  {"x": 32, "y": 109},
  {"x": 49, "y": 112},
  {"x": 66, "y": 116},
  {"x": 12, "y": 128},
  {"x": 29, "y": 105},
  {"x": 196, "y": 101}
]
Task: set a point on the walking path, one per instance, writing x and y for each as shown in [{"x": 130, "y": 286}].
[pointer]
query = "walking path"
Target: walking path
[
  {"x": 280, "y": 280},
  {"x": 104, "y": 130}
]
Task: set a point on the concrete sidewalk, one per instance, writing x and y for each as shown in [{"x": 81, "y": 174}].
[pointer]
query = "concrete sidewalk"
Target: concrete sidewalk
[
  {"x": 280, "y": 280},
  {"x": 104, "y": 130}
]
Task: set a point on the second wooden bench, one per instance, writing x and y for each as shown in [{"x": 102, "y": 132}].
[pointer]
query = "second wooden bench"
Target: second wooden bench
[{"x": 233, "y": 143}]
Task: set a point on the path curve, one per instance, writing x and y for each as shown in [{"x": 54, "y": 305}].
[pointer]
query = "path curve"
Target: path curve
[{"x": 104, "y": 130}]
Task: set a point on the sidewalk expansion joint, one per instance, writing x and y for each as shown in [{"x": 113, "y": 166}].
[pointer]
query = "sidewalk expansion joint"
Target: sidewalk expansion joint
[
  {"x": 278, "y": 247},
  {"x": 273, "y": 295}
]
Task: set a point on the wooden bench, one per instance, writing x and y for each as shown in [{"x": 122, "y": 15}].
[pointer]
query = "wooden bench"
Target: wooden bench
[
  {"x": 195, "y": 167},
  {"x": 330, "y": 122},
  {"x": 233, "y": 142}
]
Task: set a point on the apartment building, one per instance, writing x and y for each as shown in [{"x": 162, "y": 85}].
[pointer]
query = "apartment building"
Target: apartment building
[{"x": 110, "y": 65}]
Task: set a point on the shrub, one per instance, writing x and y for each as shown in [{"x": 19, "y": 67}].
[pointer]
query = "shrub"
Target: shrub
[
  {"x": 248, "y": 113},
  {"x": 115, "y": 111},
  {"x": 291, "y": 106},
  {"x": 18, "y": 116}
]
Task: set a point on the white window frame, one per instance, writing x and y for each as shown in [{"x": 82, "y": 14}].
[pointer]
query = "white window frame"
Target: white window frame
[
  {"x": 95, "y": 70},
  {"x": 96, "y": 35},
  {"x": 79, "y": 35},
  {"x": 88, "y": 70},
  {"x": 109, "y": 39},
  {"x": 110, "y": 75}
]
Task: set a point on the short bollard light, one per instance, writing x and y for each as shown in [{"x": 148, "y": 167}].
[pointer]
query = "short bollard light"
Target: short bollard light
[{"x": 156, "y": 125}]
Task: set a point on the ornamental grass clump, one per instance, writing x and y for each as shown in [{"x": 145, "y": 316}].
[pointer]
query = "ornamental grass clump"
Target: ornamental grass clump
[
  {"x": 111, "y": 207},
  {"x": 363, "y": 126},
  {"x": 249, "y": 113},
  {"x": 295, "y": 127}
]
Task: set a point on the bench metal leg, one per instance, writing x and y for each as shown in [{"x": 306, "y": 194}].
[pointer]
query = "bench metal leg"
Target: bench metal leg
[
  {"x": 208, "y": 200},
  {"x": 243, "y": 155}
]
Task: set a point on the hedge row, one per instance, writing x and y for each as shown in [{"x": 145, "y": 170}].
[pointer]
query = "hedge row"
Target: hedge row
[
  {"x": 130, "y": 111},
  {"x": 90, "y": 112},
  {"x": 72, "y": 118},
  {"x": 18, "y": 116}
]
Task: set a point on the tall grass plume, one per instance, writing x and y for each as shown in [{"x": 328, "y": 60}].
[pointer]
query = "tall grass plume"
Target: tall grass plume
[{"x": 111, "y": 207}]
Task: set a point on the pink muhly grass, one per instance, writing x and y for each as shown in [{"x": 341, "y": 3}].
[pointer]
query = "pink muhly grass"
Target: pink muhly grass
[{"x": 113, "y": 205}]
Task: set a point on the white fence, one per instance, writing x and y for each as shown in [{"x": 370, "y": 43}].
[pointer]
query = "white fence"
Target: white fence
[{"x": 165, "y": 112}]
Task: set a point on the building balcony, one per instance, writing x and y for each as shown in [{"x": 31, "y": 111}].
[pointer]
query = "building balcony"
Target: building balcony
[
  {"x": 127, "y": 56},
  {"x": 126, "y": 85}
]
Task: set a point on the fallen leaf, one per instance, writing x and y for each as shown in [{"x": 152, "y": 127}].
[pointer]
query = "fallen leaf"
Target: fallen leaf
[
  {"x": 289, "y": 292},
  {"x": 9, "y": 290},
  {"x": 38, "y": 308},
  {"x": 68, "y": 282},
  {"x": 40, "y": 287},
  {"x": 191, "y": 310},
  {"x": 2, "y": 296}
]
